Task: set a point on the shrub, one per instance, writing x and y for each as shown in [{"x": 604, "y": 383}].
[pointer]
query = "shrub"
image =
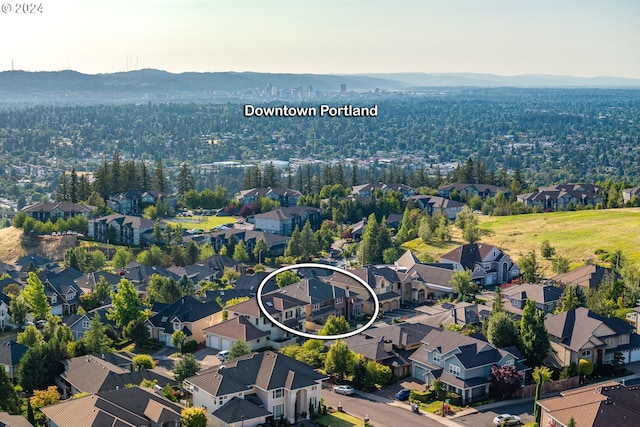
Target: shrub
[
  {"x": 454, "y": 398},
  {"x": 421, "y": 396},
  {"x": 189, "y": 346}
]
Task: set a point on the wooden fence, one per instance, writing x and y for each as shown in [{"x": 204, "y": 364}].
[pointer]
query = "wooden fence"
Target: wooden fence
[{"x": 550, "y": 387}]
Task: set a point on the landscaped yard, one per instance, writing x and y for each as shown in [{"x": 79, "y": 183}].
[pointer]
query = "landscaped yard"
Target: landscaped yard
[
  {"x": 436, "y": 406},
  {"x": 339, "y": 419}
]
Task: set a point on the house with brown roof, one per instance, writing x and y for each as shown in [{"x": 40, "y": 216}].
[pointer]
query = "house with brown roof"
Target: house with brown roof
[
  {"x": 582, "y": 334},
  {"x": 489, "y": 265},
  {"x": 367, "y": 190},
  {"x": 425, "y": 282},
  {"x": 562, "y": 197},
  {"x": 130, "y": 406},
  {"x": 463, "y": 363},
  {"x": 588, "y": 276},
  {"x": 597, "y": 405},
  {"x": 223, "y": 335},
  {"x": 52, "y": 211},
  {"x": 256, "y": 388},
  {"x": 450, "y": 313},
  {"x": 384, "y": 281}
]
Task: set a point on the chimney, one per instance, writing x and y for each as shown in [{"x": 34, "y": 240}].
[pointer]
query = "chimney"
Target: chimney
[
  {"x": 454, "y": 314},
  {"x": 388, "y": 346}
]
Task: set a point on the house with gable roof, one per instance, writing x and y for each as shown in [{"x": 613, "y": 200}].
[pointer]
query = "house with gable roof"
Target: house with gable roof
[
  {"x": 286, "y": 196},
  {"x": 489, "y": 265},
  {"x": 5, "y": 314},
  {"x": 561, "y": 197},
  {"x": 283, "y": 221},
  {"x": 256, "y": 388},
  {"x": 470, "y": 190},
  {"x": 436, "y": 204},
  {"x": 124, "y": 229},
  {"x": 11, "y": 353},
  {"x": 62, "y": 290},
  {"x": 52, "y": 211},
  {"x": 463, "y": 363}
]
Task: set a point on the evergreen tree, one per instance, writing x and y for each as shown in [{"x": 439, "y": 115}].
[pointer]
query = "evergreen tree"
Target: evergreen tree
[
  {"x": 73, "y": 188},
  {"x": 270, "y": 176},
  {"x": 498, "y": 304},
  {"x": 308, "y": 242},
  {"x": 159, "y": 178},
  {"x": 501, "y": 330},
  {"x": 116, "y": 174},
  {"x": 529, "y": 267},
  {"x": 294, "y": 249},
  {"x": 369, "y": 244},
  {"x": 261, "y": 250},
  {"x": 62, "y": 192},
  {"x": 145, "y": 177},
  {"x": 185, "y": 180},
  {"x": 534, "y": 340},
  {"x": 572, "y": 298},
  {"x": 9, "y": 401},
  {"x": 541, "y": 375}
]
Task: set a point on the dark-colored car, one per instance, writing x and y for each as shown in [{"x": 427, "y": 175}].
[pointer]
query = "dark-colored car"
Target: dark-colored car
[{"x": 403, "y": 394}]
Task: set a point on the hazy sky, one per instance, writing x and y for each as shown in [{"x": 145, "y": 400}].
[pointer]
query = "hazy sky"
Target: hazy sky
[{"x": 507, "y": 37}]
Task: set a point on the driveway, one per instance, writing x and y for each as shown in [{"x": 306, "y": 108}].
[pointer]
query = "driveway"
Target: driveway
[{"x": 207, "y": 357}]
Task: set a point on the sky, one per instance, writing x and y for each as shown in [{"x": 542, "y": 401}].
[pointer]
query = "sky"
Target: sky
[{"x": 504, "y": 37}]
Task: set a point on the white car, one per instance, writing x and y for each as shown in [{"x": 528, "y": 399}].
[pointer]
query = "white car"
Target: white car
[
  {"x": 507, "y": 419},
  {"x": 347, "y": 390}
]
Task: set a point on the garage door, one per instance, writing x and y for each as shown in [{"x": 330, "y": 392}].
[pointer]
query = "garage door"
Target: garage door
[
  {"x": 225, "y": 344},
  {"x": 635, "y": 356},
  {"x": 213, "y": 342}
]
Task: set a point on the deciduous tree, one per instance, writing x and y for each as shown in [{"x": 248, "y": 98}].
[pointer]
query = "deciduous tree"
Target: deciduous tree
[
  {"x": 125, "y": 305},
  {"x": 335, "y": 325},
  {"x": 339, "y": 359},
  {"x": 238, "y": 348},
  {"x": 35, "y": 298},
  {"x": 186, "y": 367}
]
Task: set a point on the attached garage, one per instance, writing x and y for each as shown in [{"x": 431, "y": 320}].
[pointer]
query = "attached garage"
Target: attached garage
[
  {"x": 634, "y": 356},
  {"x": 225, "y": 344},
  {"x": 213, "y": 341}
]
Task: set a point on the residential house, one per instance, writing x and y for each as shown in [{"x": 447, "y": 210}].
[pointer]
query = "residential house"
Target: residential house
[
  {"x": 79, "y": 323},
  {"x": 389, "y": 345},
  {"x": 62, "y": 290},
  {"x": 284, "y": 220},
  {"x": 562, "y": 197},
  {"x": 367, "y": 190},
  {"x": 286, "y": 196},
  {"x": 272, "y": 386},
  {"x": 7, "y": 420},
  {"x": 37, "y": 261},
  {"x": 223, "y": 335},
  {"x": 463, "y": 363},
  {"x": 5, "y": 314},
  {"x": 547, "y": 297},
  {"x": 188, "y": 315},
  {"x": 11, "y": 353},
  {"x": 436, "y": 204},
  {"x": 582, "y": 334},
  {"x": 393, "y": 222},
  {"x": 134, "y": 202},
  {"x": 588, "y": 276},
  {"x": 425, "y": 282},
  {"x": 92, "y": 374},
  {"x": 597, "y": 405},
  {"x": 286, "y": 309},
  {"x": 449, "y": 313},
  {"x": 276, "y": 243},
  {"x": 384, "y": 281},
  {"x": 53, "y": 211},
  {"x": 122, "y": 229},
  {"x": 489, "y": 265},
  {"x": 139, "y": 275},
  {"x": 87, "y": 283},
  {"x": 131, "y": 406},
  {"x": 469, "y": 190},
  {"x": 629, "y": 193}
]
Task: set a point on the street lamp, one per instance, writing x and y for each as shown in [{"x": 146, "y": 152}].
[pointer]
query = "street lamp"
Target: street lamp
[{"x": 242, "y": 420}]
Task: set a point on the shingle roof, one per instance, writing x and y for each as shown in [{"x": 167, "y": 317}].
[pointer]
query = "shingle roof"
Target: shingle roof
[
  {"x": 186, "y": 309},
  {"x": 11, "y": 352},
  {"x": 588, "y": 276},
  {"x": 65, "y": 207},
  {"x": 539, "y": 293},
  {"x": 240, "y": 410},
  {"x": 468, "y": 255},
  {"x": 238, "y": 328},
  {"x": 287, "y": 212}
]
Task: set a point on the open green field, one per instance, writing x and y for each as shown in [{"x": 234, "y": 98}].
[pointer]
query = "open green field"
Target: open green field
[
  {"x": 575, "y": 235},
  {"x": 204, "y": 222}
]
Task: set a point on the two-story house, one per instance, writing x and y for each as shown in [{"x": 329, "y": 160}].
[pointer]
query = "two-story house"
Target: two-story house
[
  {"x": 276, "y": 243},
  {"x": 547, "y": 297},
  {"x": 489, "y": 265},
  {"x": 284, "y": 220},
  {"x": 11, "y": 353},
  {"x": 62, "y": 290},
  {"x": 384, "y": 281},
  {"x": 436, "y": 204},
  {"x": 463, "y": 363},
  {"x": 188, "y": 315},
  {"x": 286, "y": 196},
  {"x": 582, "y": 334},
  {"x": 123, "y": 229},
  {"x": 52, "y": 211},
  {"x": 260, "y": 387},
  {"x": 79, "y": 324},
  {"x": 561, "y": 197},
  {"x": 367, "y": 190},
  {"x": 134, "y": 202},
  {"x": 469, "y": 190}
]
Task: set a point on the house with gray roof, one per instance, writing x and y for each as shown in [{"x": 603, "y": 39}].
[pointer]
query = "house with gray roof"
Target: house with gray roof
[
  {"x": 130, "y": 406},
  {"x": 588, "y": 276},
  {"x": 469, "y": 190},
  {"x": 52, "y": 211},
  {"x": 79, "y": 323},
  {"x": 425, "y": 282},
  {"x": 223, "y": 335},
  {"x": 630, "y": 193},
  {"x": 283, "y": 221},
  {"x": 562, "y": 197},
  {"x": 367, "y": 190},
  {"x": 488, "y": 264},
  {"x": 546, "y": 297},
  {"x": 122, "y": 229},
  {"x": 463, "y": 363},
  {"x": 286, "y": 196},
  {"x": 436, "y": 204},
  {"x": 276, "y": 243},
  {"x": 272, "y": 386},
  {"x": 582, "y": 334},
  {"x": 11, "y": 353},
  {"x": 62, "y": 290},
  {"x": 384, "y": 281}
]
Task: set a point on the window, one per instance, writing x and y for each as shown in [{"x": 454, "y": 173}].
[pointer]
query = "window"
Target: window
[
  {"x": 278, "y": 393},
  {"x": 278, "y": 410},
  {"x": 586, "y": 353},
  {"x": 454, "y": 370},
  {"x": 312, "y": 402},
  {"x": 508, "y": 362},
  {"x": 623, "y": 339},
  {"x": 54, "y": 299},
  {"x": 288, "y": 314},
  {"x": 437, "y": 357},
  {"x": 85, "y": 324},
  {"x": 176, "y": 326},
  {"x": 339, "y": 300},
  {"x": 316, "y": 306}
]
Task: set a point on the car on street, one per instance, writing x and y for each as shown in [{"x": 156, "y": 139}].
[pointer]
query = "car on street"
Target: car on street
[
  {"x": 507, "y": 420},
  {"x": 403, "y": 394},
  {"x": 347, "y": 390}
]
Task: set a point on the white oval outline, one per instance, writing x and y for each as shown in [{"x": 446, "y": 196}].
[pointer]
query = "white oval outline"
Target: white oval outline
[{"x": 315, "y": 336}]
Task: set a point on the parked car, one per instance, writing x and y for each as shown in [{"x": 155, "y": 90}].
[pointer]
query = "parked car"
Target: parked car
[
  {"x": 347, "y": 390},
  {"x": 403, "y": 394},
  {"x": 222, "y": 355},
  {"x": 507, "y": 419}
]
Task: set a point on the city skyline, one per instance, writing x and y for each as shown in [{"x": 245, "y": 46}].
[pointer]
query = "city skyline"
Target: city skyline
[{"x": 502, "y": 37}]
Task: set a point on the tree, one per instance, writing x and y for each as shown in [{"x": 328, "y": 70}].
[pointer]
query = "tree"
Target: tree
[
  {"x": 467, "y": 221},
  {"x": 32, "y": 372},
  {"x": 390, "y": 255},
  {"x": 125, "y": 304},
  {"x": 462, "y": 283},
  {"x": 194, "y": 417},
  {"x": 162, "y": 289},
  {"x": 35, "y": 298},
  {"x": 9, "y": 401},
  {"x": 137, "y": 331},
  {"x": 335, "y": 325},
  {"x": 19, "y": 311},
  {"x": 42, "y": 398},
  {"x": 308, "y": 242},
  {"x": 541, "y": 375},
  {"x": 501, "y": 330},
  {"x": 498, "y": 304},
  {"x": 122, "y": 258},
  {"x": 573, "y": 297},
  {"x": 293, "y": 247},
  {"x": 339, "y": 360},
  {"x": 186, "y": 367},
  {"x": 505, "y": 380},
  {"x": 534, "y": 340},
  {"x": 585, "y": 367},
  {"x": 238, "y": 348},
  {"x": 30, "y": 336},
  {"x": 178, "y": 338},
  {"x": 377, "y": 374},
  {"x": 547, "y": 250},
  {"x": 142, "y": 361},
  {"x": 529, "y": 267},
  {"x": 240, "y": 253},
  {"x": 261, "y": 250},
  {"x": 95, "y": 338},
  {"x": 159, "y": 178},
  {"x": 559, "y": 264},
  {"x": 572, "y": 422},
  {"x": 286, "y": 278}
]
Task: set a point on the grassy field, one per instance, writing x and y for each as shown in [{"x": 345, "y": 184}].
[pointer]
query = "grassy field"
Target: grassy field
[
  {"x": 204, "y": 222},
  {"x": 575, "y": 235}
]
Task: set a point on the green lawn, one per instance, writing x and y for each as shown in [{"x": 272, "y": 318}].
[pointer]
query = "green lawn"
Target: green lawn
[
  {"x": 575, "y": 235},
  {"x": 437, "y": 406},
  {"x": 204, "y": 222},
  {"x": 339, "y": 419}
]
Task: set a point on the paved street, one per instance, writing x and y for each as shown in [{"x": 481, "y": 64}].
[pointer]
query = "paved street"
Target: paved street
[{"x": 485, "y": 418}]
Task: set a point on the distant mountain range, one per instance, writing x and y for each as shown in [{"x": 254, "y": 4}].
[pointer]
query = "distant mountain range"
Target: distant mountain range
[{"x": 155, "y": 85}]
